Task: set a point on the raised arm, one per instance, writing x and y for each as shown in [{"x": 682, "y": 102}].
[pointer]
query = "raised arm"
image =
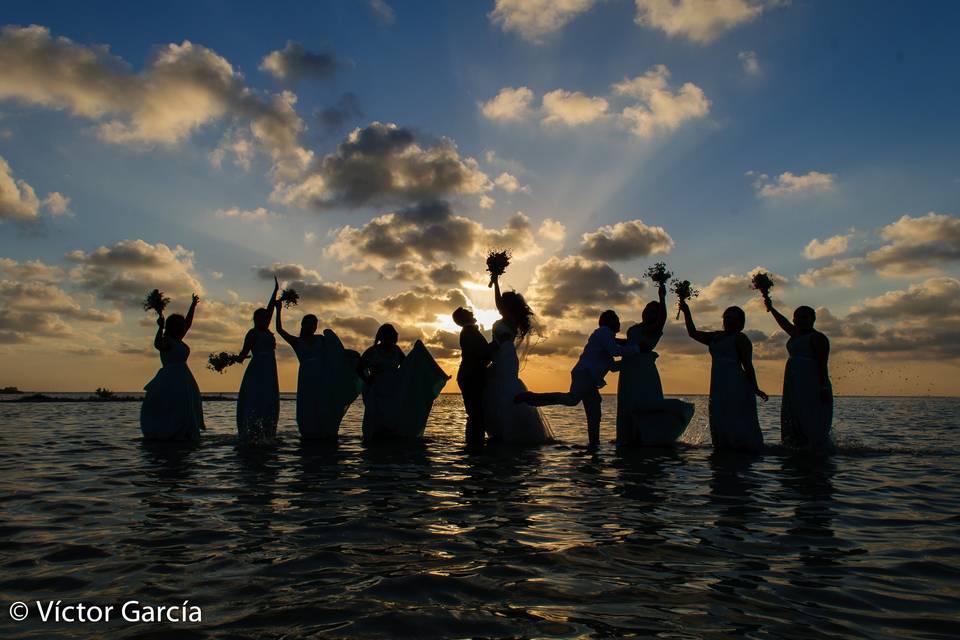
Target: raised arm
[
  {"x": 193, "y": 307},
  {"x": 662, "y": 318},
  {"x": 291, "y": 340},
  {"x": 820, "y": 346},
  {"x": 781, "y": 319},
  {"x": 159, "y": 342},
  {"x": 497, "y": 298},
  {"x": 703, "y": 337},
  {"x": 745, "y": 354},
  {"x": 272, "y": 302}
]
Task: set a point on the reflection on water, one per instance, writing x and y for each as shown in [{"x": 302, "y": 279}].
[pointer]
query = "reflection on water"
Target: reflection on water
[{"x": 429, "y": 540}]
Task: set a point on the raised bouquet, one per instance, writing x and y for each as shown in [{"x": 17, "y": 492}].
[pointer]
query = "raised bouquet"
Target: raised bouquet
[
  {"x": 684, "y": 291},
  {"x": 220, "y": 361},
  {"x": 156, "y": 302},
  {"x": 658, "y": 273},
  {"x": 497, "y": 263},
  {"x": 289, "y": 297},
  {"x": 762, "y": 282}
]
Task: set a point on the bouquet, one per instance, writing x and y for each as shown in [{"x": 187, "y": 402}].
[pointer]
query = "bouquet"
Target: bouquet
[
  {"x": 658, "y": 273},
  {"x": 220, "y": 361},
  {"x": 684, "y": 291},
  {"x": 156, "y": 302},
  {"x": 762, "y": 282},
  {"x": 289, "y": 297},
  {"x": 497, "y": 263}
]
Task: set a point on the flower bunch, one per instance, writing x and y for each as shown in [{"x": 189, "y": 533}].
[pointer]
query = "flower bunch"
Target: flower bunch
[
  {"x": 220, "y": 361},
  {"x": 684, "y": 291},
  {"x": 762, "y": 282},
  {"x": 289, "y": 297},
  {"x": 497, "y": 263},
  {"x": 658, "y": 273},
  {"x": 155, "y": 301}
]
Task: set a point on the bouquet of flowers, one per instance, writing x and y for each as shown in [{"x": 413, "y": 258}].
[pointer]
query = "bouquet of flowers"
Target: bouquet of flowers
[
  {"x": 220, "y": 361},
  {"x": 762, "y": 282},
  {"x": 497, "y": 263},
  {"x": 658, "y": 273},
  {"x": 684, "y": 291},
  {"x": 289, "y": 297},
  {"x": 155, "y": 301}
]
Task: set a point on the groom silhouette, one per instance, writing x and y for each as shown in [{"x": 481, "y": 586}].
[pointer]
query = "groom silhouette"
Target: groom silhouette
[
  {"x": 475, "y": 355},
  {"x": 587, "y": 377}
]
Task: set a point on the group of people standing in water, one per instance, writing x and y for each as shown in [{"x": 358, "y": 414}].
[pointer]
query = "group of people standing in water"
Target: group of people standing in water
[{"x": 399, "y": 389}]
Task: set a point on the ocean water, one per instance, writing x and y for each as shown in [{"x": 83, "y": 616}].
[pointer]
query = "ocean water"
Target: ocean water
[{"x": 426, "y": 540}]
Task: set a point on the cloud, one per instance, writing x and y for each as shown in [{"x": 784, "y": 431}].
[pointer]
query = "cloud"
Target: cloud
[
  {"x": 625, "y": 241},
  {"x": 579, "y": 287},
  {"x": 382, "y": 11},
  {"x": 435, "y": 273},
  {"x": 788, "y": 184},
  {"x": 333, "y": 119},
  {"x": 127, "y": 270},
  {"x": 308, "y": 284},
  {"x": 509, "y": 183},
  {"x": 660, "y": 109},
  {"x": 383, "y": 163},
  {"x": 917, "y": 245},
  {"x": 57, "y": 204},
  {"x": 423, "y": 303},
  {"x": 534, "y": 19},
  {"x": 736, "y": 288},
  {"x": 839, "y": 272},
  {"x": 751, "y": 66},
  {"x": 571, "y": 109},
  {"x": 259, "y": 214},
  {"x": 933, "y": 299},
  {"x": 486, "y": 202},
  {"x": 511, "y": 104},
  {"x": 701, "y": 21},
  {"x": 18, "y": 200},
  {"x": 552, "y": 230},
  {"x": 832, "y": 246},
  {"x": 32, "y": 271},
  {"x": 294, "y": 62},
  {"x": 426, "y": 232}
]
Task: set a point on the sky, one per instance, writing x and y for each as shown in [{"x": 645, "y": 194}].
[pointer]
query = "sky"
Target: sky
[{"x": 370, "y": 154}]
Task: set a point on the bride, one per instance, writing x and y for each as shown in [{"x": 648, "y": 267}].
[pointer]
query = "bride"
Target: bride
[{"x": 504, "y": 419}]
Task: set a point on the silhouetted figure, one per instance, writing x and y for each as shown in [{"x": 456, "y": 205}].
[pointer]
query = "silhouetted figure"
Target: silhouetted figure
[
  {"x": 327, "y": 380},
  {"x": 258, "y": 404},
  {"x": 503, "y": 419},
  {"x": 806, "y": 411},
  {"x": 398, "y": 390},
  {"x": 587, "y": 376},
  {"x": 475, "y": 356},
  {"x": 733, "y": 382},
  {"x": 171, "y": 408},
  {"x": 644, "y": 416}
]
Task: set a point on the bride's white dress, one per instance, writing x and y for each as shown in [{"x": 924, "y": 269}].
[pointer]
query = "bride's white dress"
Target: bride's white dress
[{"x": 504, "y": 419}]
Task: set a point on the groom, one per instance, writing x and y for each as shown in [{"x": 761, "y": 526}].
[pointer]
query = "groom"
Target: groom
[
  {"x": 475, "y": 355},
  {"x": 587, "y": 377}
]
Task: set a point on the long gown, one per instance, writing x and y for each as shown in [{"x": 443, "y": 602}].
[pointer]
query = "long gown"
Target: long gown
[
  {"x": 171, "y": 408},
  {"x": 644, "y": 416},
  {"x": 805, "y": 421},
  {"x": 258, "y": 404},
  {"x": 398, "y": 400},
  {"x": 733, "y": 405},
  {"x": 504, "y": 419},
  {"x": 327, "y": 384}
]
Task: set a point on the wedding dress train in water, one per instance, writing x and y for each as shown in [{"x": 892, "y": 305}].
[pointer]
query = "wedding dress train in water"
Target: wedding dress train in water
[
  {"x": 504, "y": 419},
  {"x": 171, "y": 408},
  {"x": 327, "y": 384}
]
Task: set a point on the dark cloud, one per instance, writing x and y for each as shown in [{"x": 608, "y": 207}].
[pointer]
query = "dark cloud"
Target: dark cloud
[
  {"x": 625, "y": 241},
  {"x": 335, "y": 118},
  {"x": 422, "y": 303},
  {"x": 577, "y": 286},
  {"x": 917, "y": 244},
  {"x": 294, "y": 63},
  {"x": 440, "y": 274}
]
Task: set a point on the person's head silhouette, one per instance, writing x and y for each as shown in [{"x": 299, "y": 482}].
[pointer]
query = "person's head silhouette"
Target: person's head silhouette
[
  {"x": 175, "y": 327},
  {"x": 308, "y": 325},
  {"x": 517, "y": 312},
  {"x": 464, "y": 317},
  {"x": 611, "y": 320},
  {"x": 261, "y": 319},
  {"x": 651, "y": 313},
  {"x": 387, "y": 336},
  {"x": 734, "y": 320},
  {"x": 804, "y": 318}
]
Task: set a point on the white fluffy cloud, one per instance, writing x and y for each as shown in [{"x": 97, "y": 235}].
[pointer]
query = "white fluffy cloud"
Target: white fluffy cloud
[
  {"x": 294, "y": 62},
  {"x": 840, "y": 272},
  {"x": 510, "y": 104},
  {"x": 832, "y": 246},
  {"x": 625, "y": 241},
  {"x": 701, "y": 21},
  {"x": 659, "y": 108},
  {"x": 572, "y": 108},
  {"x": 917, "y": 244},
  {"x": 790, "y": 184},
  {"x": 552, "y": 230},
  {"x": 19, "y": 201},
  {"x": 535, "y": 19}
]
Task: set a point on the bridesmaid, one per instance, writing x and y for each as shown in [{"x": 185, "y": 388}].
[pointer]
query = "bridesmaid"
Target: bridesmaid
[
  {"x": 644, "y": 416},
  {"x": 327, "y": 383},
  {"x": 258, "y": 404},
  {"x": 171, "y": 408},
  {"x": 733, "y": 382},
  {"x": 806, "y": 411},
  {"x": 379, "y": 368}
]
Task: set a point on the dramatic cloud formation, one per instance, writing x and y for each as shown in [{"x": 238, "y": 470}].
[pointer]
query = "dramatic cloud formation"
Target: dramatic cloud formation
[
  {"x": 839, "y": 272},
  {"x": 309, "y": 285},
  {"x": 30, "y": 271},
  {"x": 511, "y": 104},
  {"x": 293, "y": 63},
  {"x": 126, "y": 271},
  {"x": 435, "y": 273},
  {"x": 579, "y": 287},
  {"x": 625, "y": 241},
  {"x": 788, "y": 184},
  {"x": 832, "y": 246},
  {"x": 917, "y": 244},
  {"x": 383, "y": 163},
  {"x": 423, "y": 303},
  {"x": 660, "y": 109},
  {"x": 733, "y": 288},
  {"x": 426, "y": 232},
  {"x": 535, "y": 19},
  {"x": 19, "y": 201},
  {"x": 751, "y": 66},
  {"x": 701, "y": 21},
  {"x": 571, "y": 108}
]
